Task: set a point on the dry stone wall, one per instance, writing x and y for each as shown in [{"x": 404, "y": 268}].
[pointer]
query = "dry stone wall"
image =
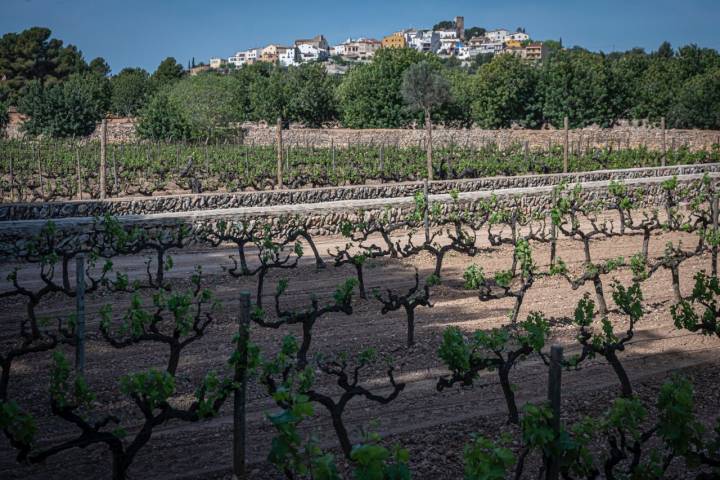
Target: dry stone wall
[
  {"x": 214, "y": 201},
  {"x": 326, "y": 218},
  {"x": 580, "y": 140},
  {"x": 122, "y": 130}
]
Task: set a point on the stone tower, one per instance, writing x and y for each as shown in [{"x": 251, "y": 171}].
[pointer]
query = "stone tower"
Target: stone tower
[{"x": 460, "y": 27}]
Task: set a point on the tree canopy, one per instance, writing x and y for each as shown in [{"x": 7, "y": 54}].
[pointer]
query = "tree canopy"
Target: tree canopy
[
  {"x": 70, "y": 108},
  {"x": 131, "y": 90},
  {"x": 444, "y": 25},
  {"x": 497, "y": 91},
  {"x": 505, "y": 92},
  {"x": 32, "y": 55},
  {"x": 369, "y": 95},
  {"x": 423, "y": 88},
  {"x": 169, "y": 71}
]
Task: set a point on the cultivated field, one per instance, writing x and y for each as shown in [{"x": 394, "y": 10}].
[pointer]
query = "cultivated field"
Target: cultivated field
[{"x": 433, "y": 425}]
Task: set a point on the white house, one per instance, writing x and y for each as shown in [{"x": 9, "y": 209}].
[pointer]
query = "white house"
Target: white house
[
  {"x": 518, "y": 36},
  {"x": 308, "y": 52},
  {"x": 423, "y": 40},
  {"x": 464, "y": 53},
  {"x": 244, "y": 57},
  {"x": 359, "y": 49},
  {"x": 316, "y": 48},
  {"x": 449, "y": 42},
  {"x": 288, "y": 56},
  {"x": 217, "y": 63},
  {"x": 490, "y": 47},
  {"x": 495, "y": 36}
]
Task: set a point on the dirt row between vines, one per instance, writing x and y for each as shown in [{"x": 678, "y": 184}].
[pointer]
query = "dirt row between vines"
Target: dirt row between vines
[{"x": 433, "y": 425}]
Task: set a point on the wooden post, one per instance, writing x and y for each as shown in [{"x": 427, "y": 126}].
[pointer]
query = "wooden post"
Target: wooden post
[
  {"x": 239, "y": 418},
  {"x": 426, "y": 219},
  {"x": 554, "y": 391},
  {"x": 565, "y": 145},
  {"x": 714, "y": 212},
  {"x": 428, "y": 145},
  {"x": 207, "y": 162},
  {"x": 103, "y": 153},
  {"x": 80, "y": 314},
  {"x": 79, "y": 174},
  {"x": 278, "y": 144},
  {"x": 332, "y": 153},
  {"x": 12, "y": 179},
  {"x": 115, "y": 172},
  {"x": 382, "y": 159},
  {"x": 40, "y": 172},
  {"x": 553, "y": 236},
  {"x": 664, "y": 147}
]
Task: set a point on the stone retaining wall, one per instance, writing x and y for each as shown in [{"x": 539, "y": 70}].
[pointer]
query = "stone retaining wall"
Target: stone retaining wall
[
  {"x": 121, "y": 129},
  {"x": 326, "y": 218},
  {"x": 579, "y": 139},
  {"x": 211, "y": 201}
]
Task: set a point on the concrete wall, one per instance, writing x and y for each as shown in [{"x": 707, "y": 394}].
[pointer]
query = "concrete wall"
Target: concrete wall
[{"x": 214, "y": 201}]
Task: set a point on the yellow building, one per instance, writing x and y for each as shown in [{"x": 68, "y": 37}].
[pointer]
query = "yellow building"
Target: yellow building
[
  {"x": 394, "y": 40},
  {"x": 513, "y": 44}
]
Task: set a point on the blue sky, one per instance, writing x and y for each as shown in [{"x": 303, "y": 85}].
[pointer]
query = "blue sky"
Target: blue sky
[{"x": 143, "y": 32}]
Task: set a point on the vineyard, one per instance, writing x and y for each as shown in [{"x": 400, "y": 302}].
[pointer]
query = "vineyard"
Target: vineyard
[
  {"x": 64, "y": 170},
  {"x": 422, "y": 347}
]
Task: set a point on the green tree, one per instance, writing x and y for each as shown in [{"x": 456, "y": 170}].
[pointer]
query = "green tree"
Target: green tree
[
  {"x": 270, "y": 96},
  {"x": 161, "y": 119},
  {"x": 479, "y": 60},
  {"x": 99, "y": 66},
  {"x": 456, "y": 112},
  {"x": 311, "y": 94},
  {"x": 130, "y": 91},
  {"x": 474, "y": 32},
  {"x": 245, "y": 77},
  {"x": 369, "y": 95},
  {"x": 444, "y": 25},
  {"x": 423, "y": 89},
  {"x": 32, "y": 55},
  {"x": 553, "y": 46},
  {"x": 694, "y": 60},
  {"x": 627, "y": 71},
  {"x": 71, "y": 108},
  {"x": 4, "y": 117},
  {"x": 578, "y": 84},
  {"x": 169, "y": 71},
  {"x": 659, "y": 87},
  {"x": 504, "y": 93},
  {"x": 664, "y": 51},
  {"x": 698, "y": 103},
  {"x": 206, "y": 102}
]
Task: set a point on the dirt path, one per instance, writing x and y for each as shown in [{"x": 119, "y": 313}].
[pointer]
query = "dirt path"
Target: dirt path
[{"x": 202, "y": 450}]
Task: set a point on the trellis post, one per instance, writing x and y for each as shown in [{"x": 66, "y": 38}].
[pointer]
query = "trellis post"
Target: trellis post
[
  {"x": 565, "y": 145},
  {"x": 80, "y": 314},
  {"x": 278, "y": 143},
  {"x": 554, "y": 392},
  {"x": 103, "y": 153},
  {"x": 239, "y": 414}
]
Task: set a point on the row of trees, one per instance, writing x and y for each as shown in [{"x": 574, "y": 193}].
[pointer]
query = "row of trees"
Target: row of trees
[{"x": 65, "y": 96}]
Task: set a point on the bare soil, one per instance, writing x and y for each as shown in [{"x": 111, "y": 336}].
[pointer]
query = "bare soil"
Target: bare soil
[{"x": 434, "y": 426}]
